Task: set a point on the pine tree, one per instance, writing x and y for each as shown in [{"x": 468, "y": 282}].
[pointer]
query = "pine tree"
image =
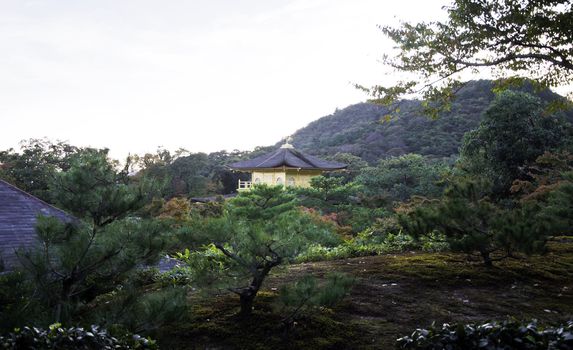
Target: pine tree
[
  {"x": 260, "y": 229},
  {"x": 77, "y": 261}
]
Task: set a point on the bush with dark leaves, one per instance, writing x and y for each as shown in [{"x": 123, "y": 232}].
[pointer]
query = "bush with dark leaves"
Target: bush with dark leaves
[
  {"x": 58, "y": 337},
  {"x": 490, "y": 336}
]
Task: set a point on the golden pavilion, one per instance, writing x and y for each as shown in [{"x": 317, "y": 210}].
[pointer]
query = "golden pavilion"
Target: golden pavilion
[{"x": 286, "y": 166}]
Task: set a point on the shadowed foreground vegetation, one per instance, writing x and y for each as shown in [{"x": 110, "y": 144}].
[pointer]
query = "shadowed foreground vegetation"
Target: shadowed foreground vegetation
[{"x": 392, "y": 296}]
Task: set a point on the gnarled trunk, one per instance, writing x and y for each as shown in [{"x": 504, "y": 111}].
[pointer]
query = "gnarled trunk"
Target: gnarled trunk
[
  {"x": 246, "y": 304},
  {"x": 247, "y": 295}
]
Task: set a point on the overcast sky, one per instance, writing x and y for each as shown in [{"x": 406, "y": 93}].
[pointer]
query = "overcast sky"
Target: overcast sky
[{"x": 132, "y": 75}]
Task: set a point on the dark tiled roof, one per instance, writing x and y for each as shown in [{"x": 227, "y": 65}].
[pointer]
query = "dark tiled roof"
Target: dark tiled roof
[
  {"x": 287, "y": 157},
  {"x": 18, "y": 213}
]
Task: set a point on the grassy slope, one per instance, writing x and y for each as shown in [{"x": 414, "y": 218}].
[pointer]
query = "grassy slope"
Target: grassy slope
[{"x": 393, "y": 295}]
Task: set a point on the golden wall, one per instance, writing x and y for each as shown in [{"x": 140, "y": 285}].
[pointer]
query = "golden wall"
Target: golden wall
[{"x": 288, "y": 177}]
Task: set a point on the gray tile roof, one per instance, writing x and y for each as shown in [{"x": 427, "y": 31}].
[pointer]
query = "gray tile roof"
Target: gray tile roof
[
  {"x": 290, "y": 158},
  {"x": 18, "y": 213}
]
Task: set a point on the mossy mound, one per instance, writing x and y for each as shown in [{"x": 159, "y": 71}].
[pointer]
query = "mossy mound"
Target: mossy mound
[{"x": 393, "y": 295}]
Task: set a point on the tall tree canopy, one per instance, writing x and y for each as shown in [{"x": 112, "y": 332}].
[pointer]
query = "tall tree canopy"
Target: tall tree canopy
[
  {"x": 36, "y": 164},
  {"x": 513, "y": 133},
  {"x": 526, "y": 38}
]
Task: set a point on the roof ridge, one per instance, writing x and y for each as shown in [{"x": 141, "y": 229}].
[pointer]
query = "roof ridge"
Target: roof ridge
[
  {"x": 286, "y": 150},
  {"x": 269, "y": 156},
  {"x": 31, "y": 196},
  {"x": 303, "y": 156}
]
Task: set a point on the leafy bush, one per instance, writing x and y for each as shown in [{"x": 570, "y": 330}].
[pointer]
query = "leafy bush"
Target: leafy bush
[
  {"x": 177, "y": 276},
  {"x": 368, "y": 244},
  {"x": 490, "y": 335},
  {"x": 348, "y": 249},
  {"x": 57, "y": 337}
]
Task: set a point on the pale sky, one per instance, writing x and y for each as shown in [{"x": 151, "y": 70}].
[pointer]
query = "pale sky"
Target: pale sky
[{"x": 132, "y": 75}]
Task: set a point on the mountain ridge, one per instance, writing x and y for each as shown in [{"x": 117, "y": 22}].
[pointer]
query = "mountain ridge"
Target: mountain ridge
[{"x": 358, "y": 129}]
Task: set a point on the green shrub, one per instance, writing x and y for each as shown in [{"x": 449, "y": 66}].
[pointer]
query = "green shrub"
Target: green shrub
[
  {"x": 368, "y": 244},
  {"x": 177, "y": 276},
  {"x": 346, "y": 250},
  {"x": 57, "y": 337},
  {"x": 490, "y": 336}
]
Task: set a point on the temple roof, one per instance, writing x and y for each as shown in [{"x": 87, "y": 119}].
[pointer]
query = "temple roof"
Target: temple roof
[
  {"x": 288, "y": 157},
  {"x": 18, "y": 213}
]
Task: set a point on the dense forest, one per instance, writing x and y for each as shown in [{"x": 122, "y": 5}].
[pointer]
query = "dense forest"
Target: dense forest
[{"x": 449, "y": 229}]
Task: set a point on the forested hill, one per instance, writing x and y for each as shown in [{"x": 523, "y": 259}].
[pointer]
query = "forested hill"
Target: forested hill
[{"x": 360, "y": 129}]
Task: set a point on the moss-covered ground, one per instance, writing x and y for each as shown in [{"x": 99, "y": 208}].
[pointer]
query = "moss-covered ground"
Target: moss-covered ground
[{"x": 393, "y": 295}]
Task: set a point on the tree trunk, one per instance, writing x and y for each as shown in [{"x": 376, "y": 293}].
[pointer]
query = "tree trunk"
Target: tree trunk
[
  {"x": 247, "y": 295},
  {"x": 67, "y": 284},
  {"x": 486, "y": 258},
  {"x": 246, "y": 304}
]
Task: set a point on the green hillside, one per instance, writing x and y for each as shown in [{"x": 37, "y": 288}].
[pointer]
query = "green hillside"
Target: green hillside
[{"x": 361, "y": 130}]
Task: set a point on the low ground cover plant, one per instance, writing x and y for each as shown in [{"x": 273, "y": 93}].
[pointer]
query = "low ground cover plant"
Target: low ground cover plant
[
  {"x": 368, "y": 244},
  {"x": 489, "y": 336},
  {"x": 58, "y": 337}
]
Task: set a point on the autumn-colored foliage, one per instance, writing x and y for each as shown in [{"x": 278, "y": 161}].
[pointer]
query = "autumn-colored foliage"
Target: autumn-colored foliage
[{"x": 176, "y": 208}]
